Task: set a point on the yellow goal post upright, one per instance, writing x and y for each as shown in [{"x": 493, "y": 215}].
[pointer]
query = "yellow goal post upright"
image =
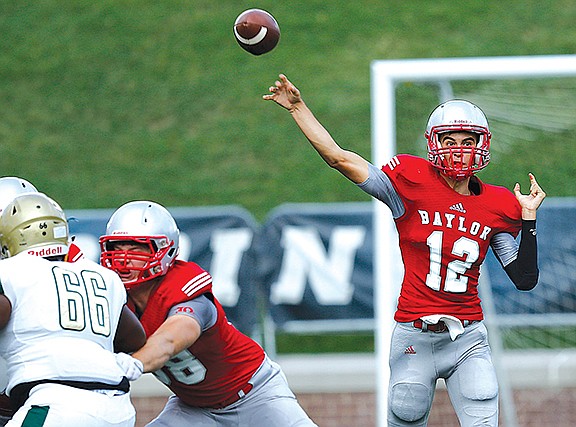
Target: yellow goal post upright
[{"x": 385, "y": 76}]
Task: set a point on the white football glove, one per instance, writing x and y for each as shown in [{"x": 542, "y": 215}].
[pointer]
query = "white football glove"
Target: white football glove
[{"x": 132, "y": 367}]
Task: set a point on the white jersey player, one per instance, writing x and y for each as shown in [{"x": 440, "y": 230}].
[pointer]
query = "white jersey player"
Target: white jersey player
[
  {"x": 10, "y": 187},
  {"x": 60, "y": 323}
]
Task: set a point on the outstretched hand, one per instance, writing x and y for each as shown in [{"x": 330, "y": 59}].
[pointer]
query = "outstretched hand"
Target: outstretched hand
[
  {"x": 132, "y": 367},
  {"x": 284, "y": 93},
  {"x": 530, "y": 202}
]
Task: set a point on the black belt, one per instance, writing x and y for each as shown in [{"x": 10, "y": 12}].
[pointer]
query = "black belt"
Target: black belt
[{"x": 20, "y": 393}]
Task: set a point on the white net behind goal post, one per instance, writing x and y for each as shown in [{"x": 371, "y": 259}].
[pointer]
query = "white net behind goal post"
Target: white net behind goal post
[{"x": 386, "y": 75}]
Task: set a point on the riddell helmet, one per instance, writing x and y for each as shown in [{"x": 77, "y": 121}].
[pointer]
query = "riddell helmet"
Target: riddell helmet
[
  {"x": 458, "y": 116},
  {"x": 141, "y": 222},
  {"x": 33, "y": 223},
  {"x": 10, "y": 187}
]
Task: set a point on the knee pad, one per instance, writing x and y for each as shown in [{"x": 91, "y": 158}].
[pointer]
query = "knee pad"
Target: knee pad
[{"x": 410, "y": 401}]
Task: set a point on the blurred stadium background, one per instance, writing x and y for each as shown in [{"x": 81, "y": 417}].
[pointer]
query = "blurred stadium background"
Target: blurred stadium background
[{"x": 110, "y": 101}]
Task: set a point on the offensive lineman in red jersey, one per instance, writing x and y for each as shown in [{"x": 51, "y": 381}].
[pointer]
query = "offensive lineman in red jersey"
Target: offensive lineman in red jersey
[
  {"x": 446, "y": 220},
  {"x": 219, "y": 376}
]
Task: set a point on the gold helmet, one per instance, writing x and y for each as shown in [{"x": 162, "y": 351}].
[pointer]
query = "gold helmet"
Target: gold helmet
[{"x": 33, "y": 223}]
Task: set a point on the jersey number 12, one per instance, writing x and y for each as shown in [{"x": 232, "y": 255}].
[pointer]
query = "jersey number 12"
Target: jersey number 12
[{"x": 455, "y": 281}]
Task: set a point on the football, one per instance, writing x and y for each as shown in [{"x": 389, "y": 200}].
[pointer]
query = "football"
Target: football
[{"x": 256, "y": 31}]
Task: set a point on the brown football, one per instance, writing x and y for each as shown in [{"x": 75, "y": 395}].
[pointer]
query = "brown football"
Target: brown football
[{"x": 256, "y": 31}]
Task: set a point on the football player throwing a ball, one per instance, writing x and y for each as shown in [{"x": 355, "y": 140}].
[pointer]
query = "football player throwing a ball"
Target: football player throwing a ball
[{"x": 447, "y": 219}]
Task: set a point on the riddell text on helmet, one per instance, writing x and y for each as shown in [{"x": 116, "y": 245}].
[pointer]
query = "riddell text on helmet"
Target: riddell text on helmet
[{"x": 47, "y": 251}]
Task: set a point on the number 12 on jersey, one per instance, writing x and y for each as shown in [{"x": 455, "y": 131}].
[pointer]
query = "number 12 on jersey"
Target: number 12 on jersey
[{"x": 455, "y": 280}]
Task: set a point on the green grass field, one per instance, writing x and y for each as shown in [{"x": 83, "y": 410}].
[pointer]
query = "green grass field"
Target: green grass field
[
  {"x": 115, "y": 100},
  {"x": 109, "y": 101}
]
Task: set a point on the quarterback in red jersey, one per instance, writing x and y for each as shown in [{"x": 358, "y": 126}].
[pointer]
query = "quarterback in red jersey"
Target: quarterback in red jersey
[
  {"x": 447, "y": 219},
  {"x": 219, "y": 376},
  {"x": 438, "y": 221}
]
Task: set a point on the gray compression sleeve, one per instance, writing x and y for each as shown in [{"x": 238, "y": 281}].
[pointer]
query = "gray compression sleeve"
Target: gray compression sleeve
[
  {"x": 505, "y": 248},
  {"x": 520, "y": 261},
  {"x": 379, "y": 186},
  {"x": 200, "y": 308}
]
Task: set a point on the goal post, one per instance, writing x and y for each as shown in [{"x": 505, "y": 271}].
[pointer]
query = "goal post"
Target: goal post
[{"x": 385, "y": 76}]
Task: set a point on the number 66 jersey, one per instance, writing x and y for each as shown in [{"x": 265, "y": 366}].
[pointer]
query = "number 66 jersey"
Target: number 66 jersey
[
  {"x": 444, "y": 237},
  {"x": 63, "y": 321}
]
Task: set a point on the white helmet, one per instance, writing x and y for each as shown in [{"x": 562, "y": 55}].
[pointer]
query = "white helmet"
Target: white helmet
[
  {"x": 10, "y": 187},
  {"x": 458, "y": 116},
  {"x": 33, "y": 223},
  {"x": 141, "y": 222}
]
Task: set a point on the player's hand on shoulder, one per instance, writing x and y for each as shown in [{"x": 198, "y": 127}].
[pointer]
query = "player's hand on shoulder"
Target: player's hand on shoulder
[
  {"x": 284, "y": 93},
  {"x": 132, "y": 367},
  {"x": 530, "y": 202}
]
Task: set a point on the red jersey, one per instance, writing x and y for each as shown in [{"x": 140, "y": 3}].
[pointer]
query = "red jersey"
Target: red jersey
[
  {"x": 74, "y": 253},
  {"x": 444, "y": 237},
  {"x": 220, "y": 362}
]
